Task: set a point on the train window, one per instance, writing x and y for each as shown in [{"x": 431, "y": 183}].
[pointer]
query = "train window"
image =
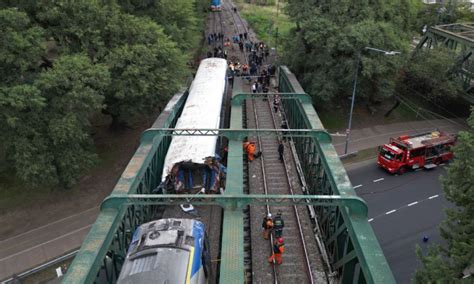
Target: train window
[{"x": 189, "y": 241}]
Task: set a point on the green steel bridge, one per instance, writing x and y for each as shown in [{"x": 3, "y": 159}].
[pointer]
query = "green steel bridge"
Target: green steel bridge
[
  {"x": 353, "y": 249},
  {"x": 458, "y": 37}
]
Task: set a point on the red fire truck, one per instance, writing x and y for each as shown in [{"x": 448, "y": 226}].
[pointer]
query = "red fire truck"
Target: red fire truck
[{"x": 425, "y": 150}]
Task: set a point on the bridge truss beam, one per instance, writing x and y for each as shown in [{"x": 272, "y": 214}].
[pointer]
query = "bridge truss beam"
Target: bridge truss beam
[
  {"x": 355, "y": 205},
  {"x": 460, "y": 38}
]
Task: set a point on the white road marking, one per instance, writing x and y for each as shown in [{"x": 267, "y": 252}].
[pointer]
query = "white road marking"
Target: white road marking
[
  {"x": 377, "y": 180},
  {"x": 357, "y": 186},
  {"x": 404, "y": 206}
]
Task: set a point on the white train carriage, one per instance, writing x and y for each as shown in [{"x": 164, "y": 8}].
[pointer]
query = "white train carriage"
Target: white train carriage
[{"x": 191, "y": 162}]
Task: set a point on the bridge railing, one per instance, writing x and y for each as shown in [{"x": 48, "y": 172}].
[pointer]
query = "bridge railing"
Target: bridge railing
[{"x": 349, "y": 239}]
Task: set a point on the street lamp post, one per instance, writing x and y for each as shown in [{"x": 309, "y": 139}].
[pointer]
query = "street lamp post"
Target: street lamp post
[{"x": 359, "y": 55}]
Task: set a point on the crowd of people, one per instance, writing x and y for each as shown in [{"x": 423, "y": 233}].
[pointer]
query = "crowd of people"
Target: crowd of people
[{"x": 255, "y": 71}]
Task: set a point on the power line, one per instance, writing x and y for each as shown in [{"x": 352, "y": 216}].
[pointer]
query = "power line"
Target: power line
[{"x": 435, "y": 115}]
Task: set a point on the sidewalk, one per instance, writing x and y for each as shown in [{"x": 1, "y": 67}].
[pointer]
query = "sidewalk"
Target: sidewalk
[{"x": 374, "y": 136}]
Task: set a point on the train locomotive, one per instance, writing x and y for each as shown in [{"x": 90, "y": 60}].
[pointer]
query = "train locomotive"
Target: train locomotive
[
  {"x": 168, "y": 251},
  {"x": 216, "y": 5}
]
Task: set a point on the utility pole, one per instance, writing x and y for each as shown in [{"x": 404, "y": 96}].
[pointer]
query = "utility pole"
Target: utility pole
[{"x": 354, "y": 87}]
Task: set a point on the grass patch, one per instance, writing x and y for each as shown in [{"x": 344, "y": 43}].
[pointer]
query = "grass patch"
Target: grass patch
[
  {"x": 333, "y": 120},
  {"x": 362, "y": 155},
  {"x": 264, "y": 21},
  {"x": 15, "y": 193}
]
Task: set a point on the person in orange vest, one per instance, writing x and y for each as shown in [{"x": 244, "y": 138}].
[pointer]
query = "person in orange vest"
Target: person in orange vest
[
  {"x": 267, "y": 225},
  {"x": 249, "y": 148},
  {"x": 278, "y": 250}
]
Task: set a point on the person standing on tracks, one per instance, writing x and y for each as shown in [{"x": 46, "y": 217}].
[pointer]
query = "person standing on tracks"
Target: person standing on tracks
[
  {"x": 267, "y": 226},
  {"x": 278, "y": 250},
  {"x": 245, "y": 35},
  {"x": 231, "y": 77},
  {"x": 278, "y": 225},
  {"x": 276, "y": 104},
  {"x": 281, "y": 149},
  {"x": 249, "y": 148}
]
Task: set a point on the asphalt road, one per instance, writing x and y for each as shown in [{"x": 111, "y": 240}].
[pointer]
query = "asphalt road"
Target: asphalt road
[{"x": 402, "y": 209}]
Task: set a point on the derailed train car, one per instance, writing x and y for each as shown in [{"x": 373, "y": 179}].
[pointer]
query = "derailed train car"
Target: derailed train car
[
  {"x": 191, "y": 163},
  {"x": 168, "y": 251}
]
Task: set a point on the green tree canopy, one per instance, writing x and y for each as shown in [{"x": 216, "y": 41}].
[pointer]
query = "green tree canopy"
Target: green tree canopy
[
  {"x": 143, "y": 77},
  {"x": 45, "y": 125},
  {"x": 22, "y": 47},
  {"x": 431, "y": 74},
  {"x": 177, "y": 17},
  {"x": 141, "y": 80},
  {"x": 324, "y": 47},
  {"x": 446, "y": 264},
  {"x": 98, "y": 58}
]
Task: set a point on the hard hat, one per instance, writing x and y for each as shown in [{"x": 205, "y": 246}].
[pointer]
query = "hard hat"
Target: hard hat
[
  {"x": 269, "y": 215},
  {"x": 280, "y": 240}
]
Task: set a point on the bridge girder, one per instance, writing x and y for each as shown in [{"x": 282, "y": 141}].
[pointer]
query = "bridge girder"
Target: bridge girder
[
  {"x": 356, "y": 205},
  {"x": 458, "y": 37}
]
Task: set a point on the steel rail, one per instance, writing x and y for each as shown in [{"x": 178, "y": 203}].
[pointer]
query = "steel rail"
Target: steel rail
[
  {"x": 295, "y": 209},
  {"x": 262, "y": 162},
  {"x": 265, "y": 185},
  {"x": 262, "y": 159}
]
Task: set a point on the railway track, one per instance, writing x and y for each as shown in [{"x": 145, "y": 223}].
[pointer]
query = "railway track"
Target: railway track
[
  {"x": 270, "y": 176},
  {"x": 216, "y": 27},
  {"x": 275, "y": 180}
]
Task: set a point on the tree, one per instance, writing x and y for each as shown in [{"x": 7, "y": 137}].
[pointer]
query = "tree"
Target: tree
[
  {"x": 458, "y": 228},
  {"x": 324, "y": 47},
  {"x": 146, "y": 67},
  {"x": 143, "y": 77},
  {"x": 22, "y": 47},
  {"x": 177, "y": 17},
  {"x": 432, "y": 75},
  {"x": 142, "y": 80},
  {"x": 45, "y": 124}
]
